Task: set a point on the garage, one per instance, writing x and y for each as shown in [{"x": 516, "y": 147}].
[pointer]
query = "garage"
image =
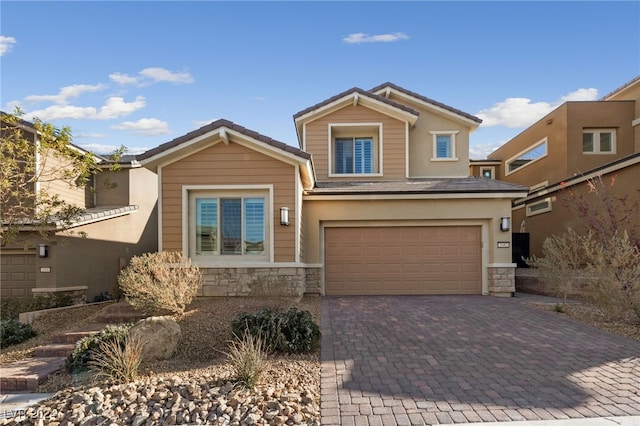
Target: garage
[
  {"x": 17, "y": 273},
  {"x": 403, "y": 260}
]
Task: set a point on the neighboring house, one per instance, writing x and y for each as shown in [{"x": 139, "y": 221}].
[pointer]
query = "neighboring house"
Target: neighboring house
[
  {"x": 117, "y": 223},
  {"x": 377, "y": 200},
  {"x": 576, "y": 142}
]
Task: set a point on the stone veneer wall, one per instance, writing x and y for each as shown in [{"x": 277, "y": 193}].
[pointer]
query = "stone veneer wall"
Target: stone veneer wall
[
  {"x": 502, "y": 280},
  {"x": 529, "y": 280},
  {"x": 261, "y": 281}
]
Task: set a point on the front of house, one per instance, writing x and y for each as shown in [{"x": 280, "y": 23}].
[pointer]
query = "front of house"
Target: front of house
[{"x": 377, "y": 200}]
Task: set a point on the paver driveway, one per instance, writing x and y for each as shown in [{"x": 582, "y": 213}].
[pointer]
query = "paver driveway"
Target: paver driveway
[{"x": 456, "y": 359}]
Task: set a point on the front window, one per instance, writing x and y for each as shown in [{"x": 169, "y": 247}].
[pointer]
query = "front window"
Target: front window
[
  {"x": 355, "y": 149},
  {"x": 601, "y": 141},
  {"x": 354, "y": 155},
  {"x": 536, "y": 152},
  {"x": 228, "y": 225}
]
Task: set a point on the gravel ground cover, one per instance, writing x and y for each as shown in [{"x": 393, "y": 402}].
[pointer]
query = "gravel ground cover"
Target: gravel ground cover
[{"x": 195, "y": 386}]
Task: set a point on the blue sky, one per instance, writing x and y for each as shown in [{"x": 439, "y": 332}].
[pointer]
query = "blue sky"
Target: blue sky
[{"x": 142, "y": 73}]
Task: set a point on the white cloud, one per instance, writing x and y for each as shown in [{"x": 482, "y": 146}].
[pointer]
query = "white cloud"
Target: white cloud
[
  {"x": 144, "y": 127},
  {"x": 114, "y": 107},
  {"x": 105, "y": 149},
  {"x": 89, "y": 136},
  {"x": 258, "y": 98},
  {"x": 151, "y": 75},
  {"x": 66, "y": 93},
  {"x": 161, "y": 74},
  {"x": 358, "y": 38},
  {"x": 521, "y": 112},
  {"x": 123, "y": 78},
  {"x": 6, "y": 44},
  {"x": 481, "y": 151}
]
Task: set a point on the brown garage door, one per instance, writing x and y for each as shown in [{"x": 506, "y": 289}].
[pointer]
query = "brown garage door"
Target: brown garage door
[
  {"x": 403, "y": 260},
  {"x": 17, "y": 274}
]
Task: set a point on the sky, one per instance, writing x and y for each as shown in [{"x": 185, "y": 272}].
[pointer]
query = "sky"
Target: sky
[{"x": 141, "y": 73}]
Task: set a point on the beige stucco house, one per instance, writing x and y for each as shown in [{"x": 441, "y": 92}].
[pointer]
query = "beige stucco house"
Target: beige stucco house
[
  {"x": 376, "y": 200},
  {"x": 559, "y": 154}
]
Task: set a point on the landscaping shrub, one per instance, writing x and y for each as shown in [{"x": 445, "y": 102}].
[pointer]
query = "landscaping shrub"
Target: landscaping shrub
[
  {"x": 247, "y": 357},
  {"x": 86, "y": 347},
  {"x": 118, "y": 362},
  {"x": 13, "y": 332},
  {"x": 291, "y": 331},
  {"x": 12, "y": 307},
  {"x": 160, "y": 282}
]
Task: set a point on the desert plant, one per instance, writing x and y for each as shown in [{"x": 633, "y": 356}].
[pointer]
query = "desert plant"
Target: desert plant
[
  {"x": 160, "y": 282},
  {"x": 247, "y": 356},
  {"x": 86, "y": 347},
  {"x": 116, "y": 361},
  {"x": 561, "y": 261},
  {"x": 292, "y": 331},
  {"x": 13, "y": 332},
  {"x": 615, "y": 265}
]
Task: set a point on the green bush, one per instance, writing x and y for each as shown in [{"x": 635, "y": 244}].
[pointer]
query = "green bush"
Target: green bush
[
  {"x": 13, "y": 332},
  {"x": 86, "y": 347},
  {"x": 291, "y": 331}
]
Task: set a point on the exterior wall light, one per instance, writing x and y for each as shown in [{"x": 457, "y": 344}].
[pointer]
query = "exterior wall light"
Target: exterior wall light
[
  {"x": 43, "y": 250},
  {"x": 284, "y": 216},
  {"x": 505, "y": 224}
]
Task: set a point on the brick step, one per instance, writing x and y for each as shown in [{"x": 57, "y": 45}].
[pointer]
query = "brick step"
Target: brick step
[
  {"x": 54, "y": 350},
  {"x": 72, "y": 337},
  {"x": 26, "y": 375}
]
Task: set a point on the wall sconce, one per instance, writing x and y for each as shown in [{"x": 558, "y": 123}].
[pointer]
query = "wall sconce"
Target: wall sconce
[
  {"x": 505, "y": 224},
  {"x": 43, "y": 250},
  {"x": 284, "y": 216}
]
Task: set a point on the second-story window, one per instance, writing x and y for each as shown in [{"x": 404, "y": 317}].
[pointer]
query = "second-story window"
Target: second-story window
[
  {"x": 599, "y": 141},
  {"x": 354, "y": 155},
  {"x": 444, "y": 145}
]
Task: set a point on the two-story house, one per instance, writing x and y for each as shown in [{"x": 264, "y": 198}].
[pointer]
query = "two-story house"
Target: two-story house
[
  {"x": 561, "y": 152},
  {"x": 376, "y": 200},
  {"x": 83, "y": 257}
]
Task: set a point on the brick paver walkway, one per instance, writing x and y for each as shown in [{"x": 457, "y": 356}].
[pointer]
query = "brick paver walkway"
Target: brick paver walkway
[{"x": 458, "y": 359}]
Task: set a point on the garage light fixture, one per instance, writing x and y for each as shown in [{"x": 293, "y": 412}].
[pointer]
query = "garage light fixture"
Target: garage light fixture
[
  {"x": 284, "y": 216},
  {"x": 43, "y": 250},
  {"x": 505, "y": 224}
]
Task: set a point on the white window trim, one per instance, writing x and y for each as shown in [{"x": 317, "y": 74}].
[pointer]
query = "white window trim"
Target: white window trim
[
  {"x": 492, "y": 169},
  {"x": 596, "y": 146},
  {"x": 537, "y": 212},
  {"x": 538, "y": 186},
  {"x": 530, "y": 148},
  {"x": 378, "y": 149},
  {"x": 231, "y": 191},
  {"x": 453, "y": 134}
]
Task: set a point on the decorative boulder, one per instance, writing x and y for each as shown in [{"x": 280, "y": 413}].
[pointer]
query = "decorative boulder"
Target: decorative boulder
[{"x": 159, "y": 337}]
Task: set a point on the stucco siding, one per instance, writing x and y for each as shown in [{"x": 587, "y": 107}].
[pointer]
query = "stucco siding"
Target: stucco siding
[
  {"x": 393, "y": 143},
  {"x": 231, "y": 164}
]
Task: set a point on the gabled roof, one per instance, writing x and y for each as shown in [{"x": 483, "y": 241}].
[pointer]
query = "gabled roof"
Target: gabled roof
[
  {"x": 219, "y": 127},
  {"x": 355, "y": 96},
  {"x": 386, "y": 88}
]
